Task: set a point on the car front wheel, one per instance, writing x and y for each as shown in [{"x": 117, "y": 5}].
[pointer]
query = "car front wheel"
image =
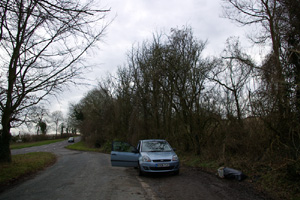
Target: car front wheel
[
  {"x": 176, "y": 172},
  {"x": 141, "y": 173}
]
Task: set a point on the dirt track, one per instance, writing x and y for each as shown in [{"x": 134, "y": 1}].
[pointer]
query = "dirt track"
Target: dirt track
[{"x": 194, "y": 184}]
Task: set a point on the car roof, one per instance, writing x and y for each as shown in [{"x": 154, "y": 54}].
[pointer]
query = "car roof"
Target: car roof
[{"x": 152, "y": 140}]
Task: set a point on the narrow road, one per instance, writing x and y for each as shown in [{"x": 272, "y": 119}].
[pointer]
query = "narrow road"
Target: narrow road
[
  {"x": 77, "y": 175},
  {"x": 57, "y": 148},
  {"x": 89, "y": 176}
]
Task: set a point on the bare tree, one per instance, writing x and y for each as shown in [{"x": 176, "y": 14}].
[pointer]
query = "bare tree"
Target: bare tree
[
  {"x": 41, "y": 44},
  {"x": 233, "y": 73},
  {"x": 57, "y": 116},
  {"x": 278, "y": 98},
  {"x": 169, "y": 76},
  {"x": 93, "y": 116},
  {"x": 266, "y": 14},
  {"x": 39, "y": 119}
]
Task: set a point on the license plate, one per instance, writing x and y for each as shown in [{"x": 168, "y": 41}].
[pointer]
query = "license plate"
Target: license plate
[{"x": 162, "y": 165}]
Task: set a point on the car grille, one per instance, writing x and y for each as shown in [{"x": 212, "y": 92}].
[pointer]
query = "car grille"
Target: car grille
[
  {"x": 162, "y": 160},
  {"x": 161, "y": 168}
]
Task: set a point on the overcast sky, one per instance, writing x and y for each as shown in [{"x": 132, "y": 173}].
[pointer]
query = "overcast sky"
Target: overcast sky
[{"x": 136, "y": 20}]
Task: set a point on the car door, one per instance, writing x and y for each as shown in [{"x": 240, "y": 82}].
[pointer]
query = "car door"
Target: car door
[{"x": 124, "y": 155}]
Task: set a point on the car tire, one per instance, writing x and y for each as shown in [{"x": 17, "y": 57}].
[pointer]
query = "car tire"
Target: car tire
[
  {"x": 141, "y": 173},
  {"x": 176, "y": 172}
]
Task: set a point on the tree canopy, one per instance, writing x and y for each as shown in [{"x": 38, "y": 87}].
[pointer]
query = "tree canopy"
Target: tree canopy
[{"x": 41, "y": 44}]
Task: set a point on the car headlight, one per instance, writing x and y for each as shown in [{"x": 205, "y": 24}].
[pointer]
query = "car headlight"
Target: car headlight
[
  {"x": 146, "y": 159},
  {"x": 175, "y": 158}
]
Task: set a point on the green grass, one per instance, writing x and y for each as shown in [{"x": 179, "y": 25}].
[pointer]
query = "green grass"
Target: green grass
[
  {"x": 82, "y": 146},
  {"x": 23, "y": 165},
  {"x": 33, "y": 144},
  {"x": 190, "y": 160},
  {"x": 280, "y": 182}
]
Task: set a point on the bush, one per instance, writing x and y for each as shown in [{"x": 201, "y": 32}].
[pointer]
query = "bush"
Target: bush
[{"x": 293, "y": 171}]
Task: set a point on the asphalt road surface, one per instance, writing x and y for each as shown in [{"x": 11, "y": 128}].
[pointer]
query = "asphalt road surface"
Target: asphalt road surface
[
  {"x": 89, "y": 175},
  {"x": 77, "y": 175},
  {"x": 57, "y": 148}
]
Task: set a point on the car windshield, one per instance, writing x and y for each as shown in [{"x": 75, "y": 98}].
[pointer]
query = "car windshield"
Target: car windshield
[{"x": 156, "y": 146}]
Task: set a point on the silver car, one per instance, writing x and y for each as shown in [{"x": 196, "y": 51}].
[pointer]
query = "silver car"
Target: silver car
[
  {"x": 149, "y": 156},
  {"x": 71, "y": 139}
]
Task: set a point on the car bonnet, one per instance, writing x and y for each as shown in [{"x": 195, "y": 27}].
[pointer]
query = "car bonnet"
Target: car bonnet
[{"x": 159, "y": 155}]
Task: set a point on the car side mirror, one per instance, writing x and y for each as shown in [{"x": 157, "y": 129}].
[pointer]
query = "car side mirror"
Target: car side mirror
[
  {"x": 135, "y": 151},
  {"x": 174, "y": 149}
]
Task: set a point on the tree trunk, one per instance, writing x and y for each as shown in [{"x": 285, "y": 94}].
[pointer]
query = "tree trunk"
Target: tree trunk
[
  {"x": 294, "y": 60},
  {"x": 5, "y": 155},
  {"x": 56, "y": 129}
]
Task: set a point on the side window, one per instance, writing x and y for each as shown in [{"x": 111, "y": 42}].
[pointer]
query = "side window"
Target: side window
[{"x": 122, "y": 147}]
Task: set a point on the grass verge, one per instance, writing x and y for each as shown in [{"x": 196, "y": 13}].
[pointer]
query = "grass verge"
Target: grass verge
[
  {"x": 33, "y": 144},
  {"x": 24, "y": 165},
  {"x": 281, "y": 181},
  {"x": 82, "y": 146},
  {"x": 277, "y": 182},
  {"x": 196, "y": 162}
]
